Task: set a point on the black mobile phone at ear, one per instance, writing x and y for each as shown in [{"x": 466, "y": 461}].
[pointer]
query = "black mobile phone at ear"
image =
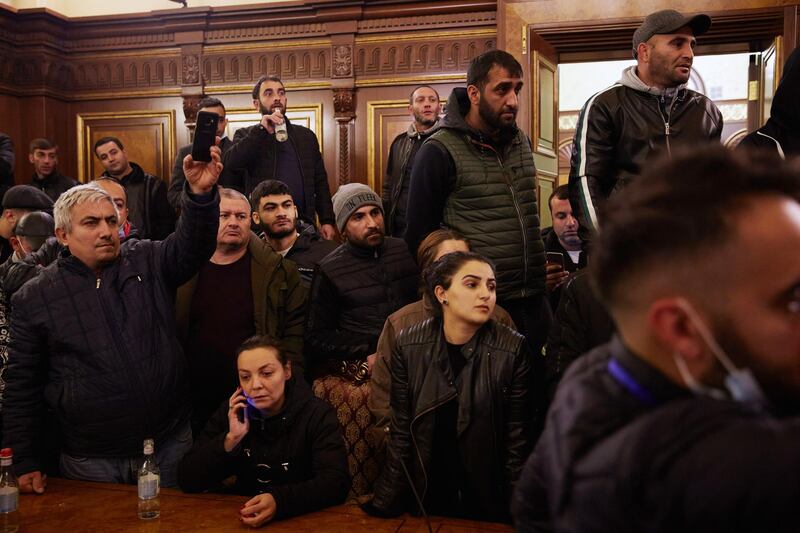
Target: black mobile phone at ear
[{"x": 205, "y": 133}]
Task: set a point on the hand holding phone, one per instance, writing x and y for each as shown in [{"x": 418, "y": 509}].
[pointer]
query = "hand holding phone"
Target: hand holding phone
[
  {"x": 205, "y": 132},
  {"x": 238, "y": 422}
]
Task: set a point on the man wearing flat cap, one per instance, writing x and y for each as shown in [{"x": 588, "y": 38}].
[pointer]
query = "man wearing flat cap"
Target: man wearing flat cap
[
  {"x": 356, "y": 286},
  {"x": 649, "y": 110},
  {"x": 18, "y": 201}
]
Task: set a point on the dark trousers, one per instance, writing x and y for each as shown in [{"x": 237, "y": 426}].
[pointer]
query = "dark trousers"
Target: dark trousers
[{"x": 533, "y": 316}]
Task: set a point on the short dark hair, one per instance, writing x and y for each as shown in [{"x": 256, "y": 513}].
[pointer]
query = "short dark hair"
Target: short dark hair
[
  {"x": 42, "y": 144},
  {"x": 108, "y": 139},
  {"x": 267, "y": 188},
  {"x": 417, "y": 88},
  {"x": 441, "y": 272},
  {"x": 479, "y": 67},
  {"x": 561, "y": 192},
  {"x": 262, "y": 341},
  {"x": 262, "y": 79},
  {"x": 210, "y": 101},
  {"x": 679, "y": 212},
  {"x": 427, "y": 249}
]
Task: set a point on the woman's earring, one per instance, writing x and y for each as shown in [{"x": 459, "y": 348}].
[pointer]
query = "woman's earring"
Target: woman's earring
[{"x": 444, "y": 302}]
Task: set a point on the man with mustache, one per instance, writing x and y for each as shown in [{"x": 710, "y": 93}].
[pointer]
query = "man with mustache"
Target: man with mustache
[
  {"x": 423, "y": 106},
  {"x": 357, "y": 286},
  {"x": 245, "y": 289},
  {"x": 649, "y": 110},
  {"x": 259, "y": 153}
]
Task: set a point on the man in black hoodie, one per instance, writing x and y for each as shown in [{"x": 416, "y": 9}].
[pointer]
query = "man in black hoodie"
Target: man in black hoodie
[
  {"x": 148, "y": 208},
  {"x": 782, "y": 130},
  {"x": 476, "y": 176}
]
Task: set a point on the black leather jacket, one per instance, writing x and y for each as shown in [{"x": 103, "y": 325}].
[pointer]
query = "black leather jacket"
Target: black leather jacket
[
  {"x": 493, "y": 421},
  {"x": 620, "y": 128}
]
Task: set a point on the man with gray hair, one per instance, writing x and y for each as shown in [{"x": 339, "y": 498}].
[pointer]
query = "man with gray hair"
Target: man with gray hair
[
  {"x": 648, "y": 111},
  {"x": 245, "y": 289},
  {"x": 99, "y": 319}
]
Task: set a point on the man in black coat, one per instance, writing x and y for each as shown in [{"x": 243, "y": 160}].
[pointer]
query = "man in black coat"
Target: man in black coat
[
  {"x": 278, "y": 149},
  {"x": 43, "y": 155},
  {"x": 357, "y": 286},
  {"x": 147, "y": 194},
  {"x": 99, "y": 320},
  {"x": 689, "y": 419},
  {"x": 178, "y": 179}
]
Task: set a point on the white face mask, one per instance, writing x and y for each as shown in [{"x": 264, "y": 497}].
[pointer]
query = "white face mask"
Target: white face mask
[{"x": 739, "y": 382}]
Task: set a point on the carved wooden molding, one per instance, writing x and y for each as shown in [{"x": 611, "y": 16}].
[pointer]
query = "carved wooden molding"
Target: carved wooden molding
[{"x": 342, "y": 55}]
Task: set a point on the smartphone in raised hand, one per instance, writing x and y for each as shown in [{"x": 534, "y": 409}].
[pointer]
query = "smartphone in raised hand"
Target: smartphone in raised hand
[{"x": 205, "y": 133}]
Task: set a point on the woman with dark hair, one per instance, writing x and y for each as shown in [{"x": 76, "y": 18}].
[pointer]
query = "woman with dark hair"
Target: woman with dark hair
[
  {"x": 460, "y": 401},
  {"x": 282, "y": 445},
  {"x": 437, "y": 244}
]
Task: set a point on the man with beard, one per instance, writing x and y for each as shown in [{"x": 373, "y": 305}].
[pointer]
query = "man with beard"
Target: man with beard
[
  {"x": 423, "y": 105},
  {"x": 562, "y": 238},
  {"x": 648, "y": 111},
  {"x": 148, "y": 208},
  {"x": 688, "y": 419},
  {"x": 476, "y": 176},
  {"x": 44, "y": 158},
  {"x": 245, "y": 289},
  {"x": 258, "y": 154},
  {"x": 357, "y": 286},
  {"x": 275, "y": 214}
]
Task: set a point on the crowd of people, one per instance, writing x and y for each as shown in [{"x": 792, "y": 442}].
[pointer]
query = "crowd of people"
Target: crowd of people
[{"x": 634, "y": 367}]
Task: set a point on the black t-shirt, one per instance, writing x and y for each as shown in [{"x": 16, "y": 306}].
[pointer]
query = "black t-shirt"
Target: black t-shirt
[{"x": 220, "y": 318}]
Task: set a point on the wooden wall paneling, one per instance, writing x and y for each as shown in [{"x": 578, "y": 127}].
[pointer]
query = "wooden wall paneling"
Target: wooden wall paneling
[
  {"x": 385, "y": 120},
  {"x": 148, "y": 138}
]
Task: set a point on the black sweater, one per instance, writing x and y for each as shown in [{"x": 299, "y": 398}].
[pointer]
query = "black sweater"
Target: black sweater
[{"x": 302, "y": 446}]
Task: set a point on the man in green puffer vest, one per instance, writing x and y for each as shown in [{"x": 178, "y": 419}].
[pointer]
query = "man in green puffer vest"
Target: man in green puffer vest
[{"x": 476, "y": 175}]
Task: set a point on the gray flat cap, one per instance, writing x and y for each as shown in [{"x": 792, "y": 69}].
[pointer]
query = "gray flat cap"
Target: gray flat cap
[{"x": 667, "y": 21}]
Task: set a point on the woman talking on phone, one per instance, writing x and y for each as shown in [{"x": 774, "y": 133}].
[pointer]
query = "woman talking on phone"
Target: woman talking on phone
[
  {"x": 272, "y": 440},
  {"x": 460, "y": 402}
]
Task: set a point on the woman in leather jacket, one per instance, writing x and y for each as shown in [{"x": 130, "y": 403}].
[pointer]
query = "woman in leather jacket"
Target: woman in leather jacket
[
  {"x": 460, "y": 401},
  {"x": 280, "y": 443}
]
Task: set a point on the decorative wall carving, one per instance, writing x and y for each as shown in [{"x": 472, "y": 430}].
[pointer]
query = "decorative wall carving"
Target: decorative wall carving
[
  {"x": 344, "y": 105},
  {"x": 247, "y": 67},
  {"x": 265, "y": 32},
  {"x": 391, "y": 59},
  {"x": 191, "y": 69},
  {"x": 479, "y": 18},
  {"x": 191, "y": 107},
  {"x": 342, "y": 61}
]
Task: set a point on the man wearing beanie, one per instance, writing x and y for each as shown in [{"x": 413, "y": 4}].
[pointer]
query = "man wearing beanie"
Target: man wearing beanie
[{"x": 356, "y": 287}]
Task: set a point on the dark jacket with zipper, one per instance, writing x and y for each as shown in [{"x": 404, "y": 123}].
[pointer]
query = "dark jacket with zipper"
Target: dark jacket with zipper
[
  {"x": 148, "y": 208},
  {"x": 308, "y": 250},
  {"x": 484, "y": 189},
  {"x": 101, "y": 350},
  {"x": 623, "y": 126},
  {"x": 54, "y": 184},
  {"x": 253, "y": 158},
  {"x": 178, "y": 179},
  {"x": 397, "y": 181},
  {"x": 639, "y": 454},
  {"x": 298, "y": 456},
  {"x": 493, "y": 414},
  {"x": 279, "y": 300},
  {"x": 353, "y": 292}
]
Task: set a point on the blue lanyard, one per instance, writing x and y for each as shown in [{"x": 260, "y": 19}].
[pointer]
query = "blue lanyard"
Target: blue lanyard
[{"x": 625, "y": 379}]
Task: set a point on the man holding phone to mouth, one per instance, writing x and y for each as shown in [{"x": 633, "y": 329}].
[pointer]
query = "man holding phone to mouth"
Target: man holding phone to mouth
[{"x": 277, "y": 149}]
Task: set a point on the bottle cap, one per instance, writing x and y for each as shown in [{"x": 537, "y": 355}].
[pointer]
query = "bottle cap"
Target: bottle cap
[
  {"x": 148, "y": 446},
  {"x": 6, "y": 453}
]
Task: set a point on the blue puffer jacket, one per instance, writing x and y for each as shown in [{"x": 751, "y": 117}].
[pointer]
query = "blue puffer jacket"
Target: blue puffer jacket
[{"x": 101, "y": 351}]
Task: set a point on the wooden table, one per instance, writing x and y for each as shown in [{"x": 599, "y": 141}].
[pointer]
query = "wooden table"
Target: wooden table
[{"x": 78, "y": 506}]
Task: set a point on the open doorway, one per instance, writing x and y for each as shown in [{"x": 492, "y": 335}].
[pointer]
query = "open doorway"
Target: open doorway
[{"x": 721, "y": 77}]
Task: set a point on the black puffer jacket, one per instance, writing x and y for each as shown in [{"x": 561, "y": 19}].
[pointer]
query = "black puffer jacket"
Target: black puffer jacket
[
  {"x": 608, "y": 461},
  {"x": 102, "y": 351},
  {"x": 308, "y": 250},
  {"x": 148, "y": 208},
  {"x": 302, "y": 447},
  {"x": 493, "y": 414},
  {"x": 397, "y": 181},
  {"x": 353, "y": 292},
  {"x": 252, "y": 159},
  {"x": 623, "y": 126},
  {"x": 54, "y": 184},
  {"x": 782, "y": 130}
]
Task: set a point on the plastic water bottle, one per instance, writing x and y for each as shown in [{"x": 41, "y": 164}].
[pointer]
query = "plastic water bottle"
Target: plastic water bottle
[
  {"x": 9, "y": 493},
  {"x": 281, "y": 135},
  {"x": 149, "y": 483}
]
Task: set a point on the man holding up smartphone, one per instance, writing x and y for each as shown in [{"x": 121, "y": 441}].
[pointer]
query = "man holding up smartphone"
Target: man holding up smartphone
[
  {"x": 562, "y": 244},
  {"x": 277, "y": 149}
]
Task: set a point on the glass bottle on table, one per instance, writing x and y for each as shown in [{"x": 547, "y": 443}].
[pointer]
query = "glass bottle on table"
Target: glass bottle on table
[
  {"x": 149, "y": 483},
  {"x": 9, "y": 493}
]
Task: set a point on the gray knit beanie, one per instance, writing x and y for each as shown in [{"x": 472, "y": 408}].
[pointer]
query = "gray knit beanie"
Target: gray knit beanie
[{"x": 349, "y": 198}]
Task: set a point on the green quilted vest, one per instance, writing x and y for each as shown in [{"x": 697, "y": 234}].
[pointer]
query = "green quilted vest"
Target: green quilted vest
[{"x": 493, "y": 204}]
